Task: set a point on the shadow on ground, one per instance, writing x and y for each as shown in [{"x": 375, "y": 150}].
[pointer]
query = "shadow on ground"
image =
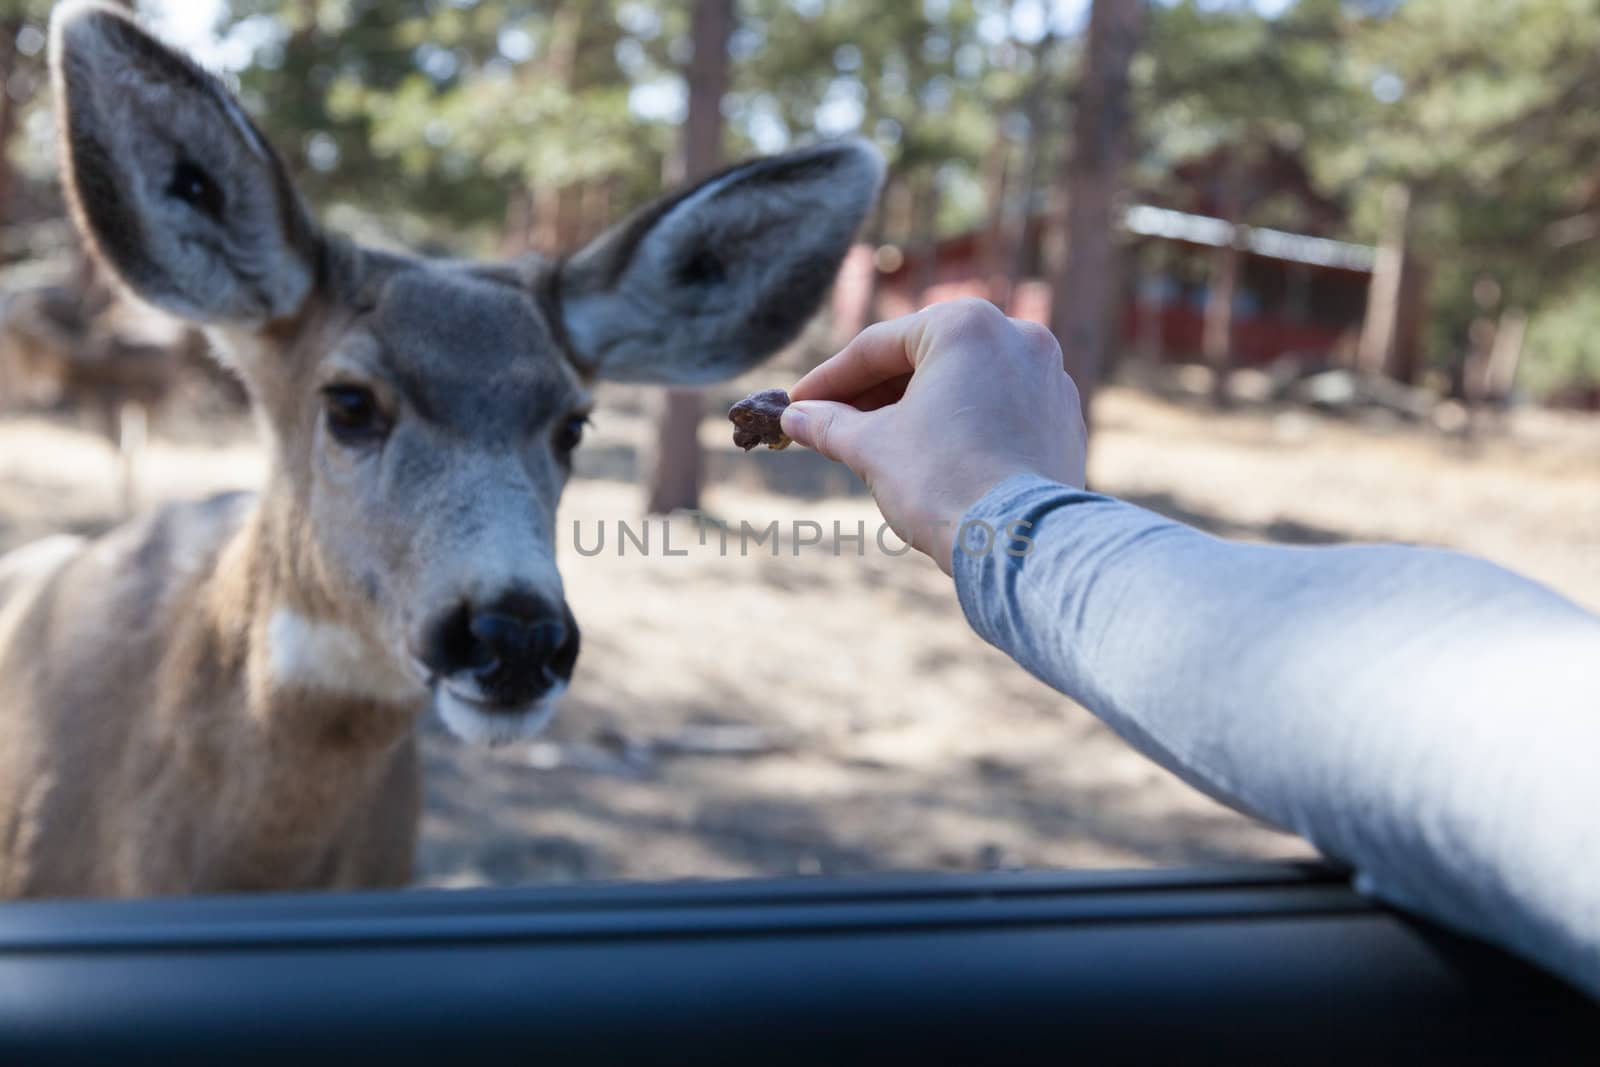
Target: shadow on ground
[{"x": 494, "y": 818}]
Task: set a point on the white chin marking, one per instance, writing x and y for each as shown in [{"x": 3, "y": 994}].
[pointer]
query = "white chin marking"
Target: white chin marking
[
  {"x": 324, "y": 657},
  {"x": 472, "y": 724}
]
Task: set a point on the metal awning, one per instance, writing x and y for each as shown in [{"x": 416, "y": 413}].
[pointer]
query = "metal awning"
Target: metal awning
[{"x": 1149, "y": 221}]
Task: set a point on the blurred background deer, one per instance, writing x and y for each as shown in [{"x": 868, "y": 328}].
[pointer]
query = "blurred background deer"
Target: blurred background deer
[{"x": 80, "y": 345}]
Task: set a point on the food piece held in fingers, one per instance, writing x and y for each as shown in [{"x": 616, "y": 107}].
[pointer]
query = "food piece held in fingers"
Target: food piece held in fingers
[{"x": 757, "y": 420}]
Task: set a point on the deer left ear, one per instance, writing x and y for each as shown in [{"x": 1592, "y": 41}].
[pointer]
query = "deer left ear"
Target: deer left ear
[
  {"x": 173, "y": 186},
  {"x": 709, "y": 281}
]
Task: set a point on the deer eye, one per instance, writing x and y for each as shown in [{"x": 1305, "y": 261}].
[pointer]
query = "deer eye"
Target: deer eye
[
  {"x": 570, "y": 433},
  {"x": 354, "y": 417}
]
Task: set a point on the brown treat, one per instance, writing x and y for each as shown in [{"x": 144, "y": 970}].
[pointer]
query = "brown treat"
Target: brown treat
[{"x": 756, "y": 420}]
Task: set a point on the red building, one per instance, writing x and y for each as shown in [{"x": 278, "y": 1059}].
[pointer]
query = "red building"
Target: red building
[{"x": 1295, "y": 294}]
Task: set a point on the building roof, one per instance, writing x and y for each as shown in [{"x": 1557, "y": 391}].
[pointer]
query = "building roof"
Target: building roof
[{"x": 1148, "y": 221}]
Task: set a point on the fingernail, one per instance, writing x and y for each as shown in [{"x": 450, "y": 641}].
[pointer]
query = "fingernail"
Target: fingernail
[{"x": 793, "y": 422}]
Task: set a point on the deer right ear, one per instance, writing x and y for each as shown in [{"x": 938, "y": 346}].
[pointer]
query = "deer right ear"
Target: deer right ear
[{"x": 170, "y": 183}]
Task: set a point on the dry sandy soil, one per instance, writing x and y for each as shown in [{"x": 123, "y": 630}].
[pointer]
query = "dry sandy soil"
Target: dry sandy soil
[{"x": 895, "y": 738}]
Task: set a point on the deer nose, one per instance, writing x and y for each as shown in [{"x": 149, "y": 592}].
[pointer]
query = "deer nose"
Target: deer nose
[{"x": 516, "y": 649}]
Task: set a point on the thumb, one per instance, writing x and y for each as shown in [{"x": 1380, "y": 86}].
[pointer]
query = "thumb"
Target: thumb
[{"x": 828, "y": 427}]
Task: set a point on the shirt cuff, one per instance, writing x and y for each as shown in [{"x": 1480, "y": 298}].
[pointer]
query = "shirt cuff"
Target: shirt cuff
[{"x": 994, "y": 541}]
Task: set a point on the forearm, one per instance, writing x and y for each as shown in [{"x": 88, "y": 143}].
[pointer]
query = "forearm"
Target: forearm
[{"x": 1423, "y": 715}]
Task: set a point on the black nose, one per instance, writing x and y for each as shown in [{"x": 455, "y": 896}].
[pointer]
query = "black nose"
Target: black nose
[{"x": 517, "y": 648}]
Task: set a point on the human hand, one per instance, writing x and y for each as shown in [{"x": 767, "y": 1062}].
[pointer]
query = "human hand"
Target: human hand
[{"x": 934, "y": 409}]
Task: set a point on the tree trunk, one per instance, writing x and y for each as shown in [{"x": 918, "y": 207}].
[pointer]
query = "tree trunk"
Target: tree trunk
[
  {"x": 518, "y": 228},
  {"x": 1150, "y": 286},
  {"x": 594, "y": 213},
  {"x": 1504, "y": 355},
  {"x": 1086, "y": 288},
  {"x": 569, "y": 220},
  {"x": 1470, "y": 373},
  {"x": 1380, "y": 328},
  {"x": 679, "y": 467},
  {"x": 1222, "y": 282},
  {"x": 1407, "y": 355},
  {"x": 876, "y": 235},
  {"x": 893, "y": 230},
  {"x": 1474, "y": 371},
  {"x": 1216, "y": 336},
  {"x": 998, "y": 180},
  {"x": 924, "y": 251},
  {"x": 1019, "y": 206},
  {"x": 9, "y": 57},
  {"x": 541, "y": 225}
]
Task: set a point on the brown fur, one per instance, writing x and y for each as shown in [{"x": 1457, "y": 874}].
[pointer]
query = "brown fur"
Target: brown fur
[{"x": 205, "y": 776}]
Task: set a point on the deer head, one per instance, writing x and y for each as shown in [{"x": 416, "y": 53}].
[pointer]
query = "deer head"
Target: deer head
[{"x": 422, "y": 414}]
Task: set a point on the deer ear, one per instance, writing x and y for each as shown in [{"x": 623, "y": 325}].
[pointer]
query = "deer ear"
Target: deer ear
[
  {"x": 707, "y": 282},
  {"x": 170, "y": 183}
]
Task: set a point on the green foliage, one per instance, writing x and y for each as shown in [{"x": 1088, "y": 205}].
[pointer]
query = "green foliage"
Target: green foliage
[
  {"x": 1563, "y": 345},
  {"x": 443, "y": 109},
  {"x": 930, "y": 83},
  {"x": 456, "y": 105},
  {"x": 1222, "y": 76},
  {"x": 1496, "y": 129},
  {"x": 446, "y": 112},
  {"x": 1489, "y": 112}
]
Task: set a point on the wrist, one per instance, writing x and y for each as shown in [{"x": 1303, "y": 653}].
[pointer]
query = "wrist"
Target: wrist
[{"x": 943, "y": 530}]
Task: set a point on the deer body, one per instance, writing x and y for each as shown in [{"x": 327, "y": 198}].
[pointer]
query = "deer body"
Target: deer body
[
  {"x": 62, "y": 340},
  {"x": 206, "y": 769},
  {"x": 73, "y": 341},
  {"x": 222, "y": 695}
]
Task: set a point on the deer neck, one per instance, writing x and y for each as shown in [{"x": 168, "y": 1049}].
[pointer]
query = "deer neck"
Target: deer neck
[
  {"x": 318, "y": 671},
  {"x": 313, "y": 718}
]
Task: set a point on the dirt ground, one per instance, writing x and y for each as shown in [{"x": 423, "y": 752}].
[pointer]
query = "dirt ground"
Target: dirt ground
[{"x": 896, "y": 738}]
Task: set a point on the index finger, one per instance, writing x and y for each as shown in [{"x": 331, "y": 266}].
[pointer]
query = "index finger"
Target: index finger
[{"x": 881, "y": 353}]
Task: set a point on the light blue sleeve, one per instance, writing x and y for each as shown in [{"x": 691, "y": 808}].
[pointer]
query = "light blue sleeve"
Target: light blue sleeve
[{"x": 1424, "y": 716}]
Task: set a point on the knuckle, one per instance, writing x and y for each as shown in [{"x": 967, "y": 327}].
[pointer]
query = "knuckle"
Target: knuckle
[
  {"x": 972, "y": 310},
  {"x": 1070, "y": 387},
  {"x": 970, "y": 317},
  {"x": 1038, "y": 339},
  {"x": 885, "y": 328}
]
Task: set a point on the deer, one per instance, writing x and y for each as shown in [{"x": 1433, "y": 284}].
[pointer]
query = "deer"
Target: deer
[
  {"x": 81, "y": 342},
  {"x": 223, "y": 695}
]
